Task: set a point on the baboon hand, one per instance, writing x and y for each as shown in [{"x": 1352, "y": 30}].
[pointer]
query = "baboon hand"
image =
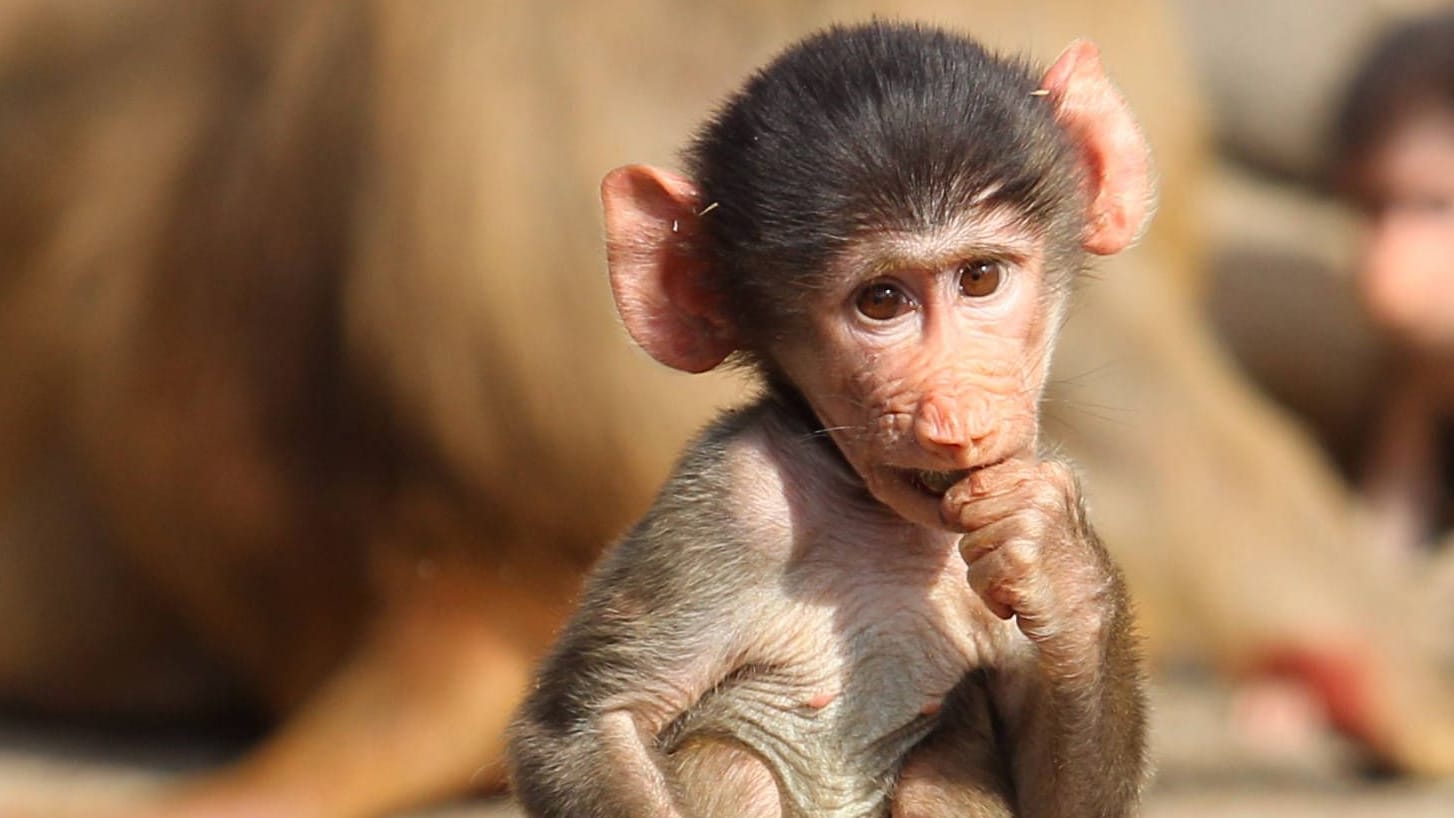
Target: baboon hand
[{"x": 1032, "y": 555}]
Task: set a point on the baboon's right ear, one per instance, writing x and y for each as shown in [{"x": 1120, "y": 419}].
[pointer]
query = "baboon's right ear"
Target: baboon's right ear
[{"x": 660, "y": 281}]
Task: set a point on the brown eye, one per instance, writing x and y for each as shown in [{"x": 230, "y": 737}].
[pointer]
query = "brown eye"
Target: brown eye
[
  {"x": 978, "y": 279},
  {"x": 882, "y": 301}
]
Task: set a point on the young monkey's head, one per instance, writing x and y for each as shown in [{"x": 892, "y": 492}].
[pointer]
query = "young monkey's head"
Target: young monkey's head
[
  {"x": 1394, "y": 157},
  {"x": 886, "y": 220}
]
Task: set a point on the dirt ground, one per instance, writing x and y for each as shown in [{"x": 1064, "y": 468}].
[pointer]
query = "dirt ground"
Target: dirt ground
[{"x": 1206, "y": 765}]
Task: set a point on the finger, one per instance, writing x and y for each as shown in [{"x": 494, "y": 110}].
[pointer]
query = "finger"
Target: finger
[
  {"x": 1000, "y": 477},
  {"x": 979, "y": 542},
  {"x": 987, "y": 578},
  {"x": 1004, "y": 576},
  {"x": 963, "y": 513}
]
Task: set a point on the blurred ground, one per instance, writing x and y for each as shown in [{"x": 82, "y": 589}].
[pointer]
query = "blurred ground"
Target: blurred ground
[{"x": 1205, "y": 767}]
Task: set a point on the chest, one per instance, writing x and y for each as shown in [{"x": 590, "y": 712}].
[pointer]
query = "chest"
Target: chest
[
  {"x": 857, "y": 633},
  {"x": 877, "y": 632},
  {"x": 869, "y": 621},
  {"x": 850, "y": 672}
]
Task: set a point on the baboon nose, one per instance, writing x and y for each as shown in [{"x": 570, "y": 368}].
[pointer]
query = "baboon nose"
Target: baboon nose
[{"x": 945, "y": 431}]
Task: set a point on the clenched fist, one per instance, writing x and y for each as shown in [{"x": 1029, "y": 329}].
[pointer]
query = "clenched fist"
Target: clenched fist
[{"x": 1032, "y": 555}]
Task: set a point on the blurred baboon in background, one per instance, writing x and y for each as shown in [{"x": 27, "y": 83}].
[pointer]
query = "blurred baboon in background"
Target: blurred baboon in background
[
  {"x": 313, "y": 400},
  {"x": 1281, "y": 289},
  {"x": 1393, "y": 156}
]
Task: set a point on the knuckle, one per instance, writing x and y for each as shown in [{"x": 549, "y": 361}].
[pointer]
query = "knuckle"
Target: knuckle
[
  {"x": 988, "y": 567},
  {"x": 1037, "y": 527},
  {"x": 1033, "y": 522},
  {"x": 1062, "y": 476},
  {"x": 973, "y": 549},
  {"x": 1058, "y": 495},
  {"x": 1048, "y": 499},
  {"x": 996, "y": 584},
  {"x": 1020, "y": 556}
]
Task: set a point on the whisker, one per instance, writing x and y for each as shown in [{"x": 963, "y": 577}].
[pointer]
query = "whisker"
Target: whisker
[
  {"x": 826, "y": 430},
  {"x": 1082, "y": 404},
  {"x": 1075, "y": 380},
  {"x": 1086, "y": 411}
]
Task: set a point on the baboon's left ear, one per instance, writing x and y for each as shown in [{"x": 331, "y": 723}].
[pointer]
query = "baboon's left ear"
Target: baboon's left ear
[{"x": 1114, "y": 152}]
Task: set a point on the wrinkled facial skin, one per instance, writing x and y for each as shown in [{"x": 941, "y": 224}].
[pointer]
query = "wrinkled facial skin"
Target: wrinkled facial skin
[
  {"x": 916, "y": 371},
  {"x": 1407, "y": 274}
]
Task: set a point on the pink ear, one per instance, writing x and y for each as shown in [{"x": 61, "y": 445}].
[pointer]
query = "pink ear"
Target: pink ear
[
  {"x": 1117, "y": 159},
  {"x": 659, "y": 280}
]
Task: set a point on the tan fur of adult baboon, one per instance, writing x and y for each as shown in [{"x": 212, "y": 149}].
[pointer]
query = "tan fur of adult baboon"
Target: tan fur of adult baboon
[{"x": 312, "y": 389}]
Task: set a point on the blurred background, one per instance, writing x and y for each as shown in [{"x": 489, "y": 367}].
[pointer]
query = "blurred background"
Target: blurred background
[{"x": 314, "y": 406}]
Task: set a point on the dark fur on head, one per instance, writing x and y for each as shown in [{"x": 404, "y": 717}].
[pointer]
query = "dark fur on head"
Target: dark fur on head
[
  {"x": 1408, "y": 69},
  {"x": 882, "y": 126}
]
